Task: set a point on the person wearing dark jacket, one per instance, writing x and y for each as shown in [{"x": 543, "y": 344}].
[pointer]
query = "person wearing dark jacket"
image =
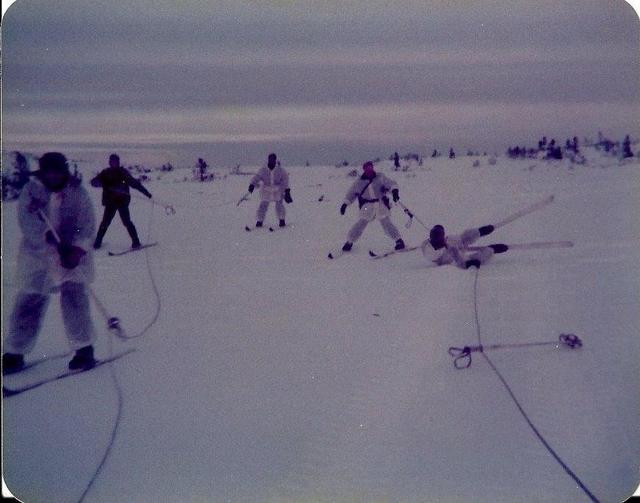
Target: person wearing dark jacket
[{"x": 115, "y": 182}]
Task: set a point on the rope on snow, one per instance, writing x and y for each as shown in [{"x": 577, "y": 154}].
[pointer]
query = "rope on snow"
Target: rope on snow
[
  {"x": 544, "y": 442},
  {"x": 113, "y": 324}
]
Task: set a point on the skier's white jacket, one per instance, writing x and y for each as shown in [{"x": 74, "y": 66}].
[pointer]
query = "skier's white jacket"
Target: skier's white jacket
[
  {"x": 274, "y": 182},
  {"x": 71, "y": 214},
  {"x": 453, "y": 251},
  {"x": 371, "y": 191}
]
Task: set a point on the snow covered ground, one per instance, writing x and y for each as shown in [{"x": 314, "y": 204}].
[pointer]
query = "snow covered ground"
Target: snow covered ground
[{"x": 274, "y": 374}]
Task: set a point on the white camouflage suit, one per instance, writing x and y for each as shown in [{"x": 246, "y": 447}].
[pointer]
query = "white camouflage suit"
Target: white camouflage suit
[
  {"x": 370, "y": 192},
  {"x": 274, "y": 183},
  {"x": 455, "y": 249},
  {"x": 39, "y": 272}
]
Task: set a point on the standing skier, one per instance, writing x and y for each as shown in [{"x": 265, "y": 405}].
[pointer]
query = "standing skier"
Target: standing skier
[
  {"x": 371, "y": 191},
  {"x": 115, "y": 182},
  {"x": 440, "y": 249},
  {"x": 275, "y": 188},
  {"x": 46, "y": 265},
  {"x": 396, "y": 161}
]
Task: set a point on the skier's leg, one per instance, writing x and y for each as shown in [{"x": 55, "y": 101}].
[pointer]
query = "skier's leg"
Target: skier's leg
[
  {"x": 390, "y": 229},
  {"x": 76, "y": 315},
  {"x": 499, "y": 248},
  {"x": 357, "y": 230},
  {"x": 262, "y": 211},
  {"x": 107, "y": 217},
  {"x": 125, "y": 216},
  {"x": 482, "y": 256},
  {"x": 470, "y": 236},
  {"x": 25, "y": 322},
  {"x": 280, "y": 211},
  {"x": 486, "y": 229}
]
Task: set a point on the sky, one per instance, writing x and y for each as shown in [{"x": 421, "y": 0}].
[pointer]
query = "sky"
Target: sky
[{"x": 312, "y": 80}]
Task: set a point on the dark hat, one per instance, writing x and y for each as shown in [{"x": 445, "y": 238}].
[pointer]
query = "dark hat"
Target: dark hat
[{"x": 53, "y": 161}]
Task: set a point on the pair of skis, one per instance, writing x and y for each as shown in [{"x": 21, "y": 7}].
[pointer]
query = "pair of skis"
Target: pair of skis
[
  {"x": 511, "y": 218},
  {"x": 254, "y": 228},
  {"x": 537, "y": 245},
  {"x": 8, "y": 391}
]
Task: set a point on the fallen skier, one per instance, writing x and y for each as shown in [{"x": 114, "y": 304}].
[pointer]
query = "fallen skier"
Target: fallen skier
[{"x": 440, "y": 249}]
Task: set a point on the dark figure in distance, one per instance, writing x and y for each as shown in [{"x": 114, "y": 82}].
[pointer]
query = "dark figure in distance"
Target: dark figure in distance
[
  {"x": 396, "y": 161},
  {"x": 115, "y": 182}
]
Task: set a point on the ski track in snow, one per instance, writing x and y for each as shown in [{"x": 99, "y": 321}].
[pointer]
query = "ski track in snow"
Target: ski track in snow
[{"x": 275, "y": 374}]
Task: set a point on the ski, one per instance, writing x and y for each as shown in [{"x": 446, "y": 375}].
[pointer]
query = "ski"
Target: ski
[
  {"x": 526, "y": 211},
  {"x": 34, "y": 363},
  {"x": 336, "y": 254},
  {"x": 531, "y": 246},
  {"x": 251, "y": 229},
  {"x": 130, "y": 250},
  {"x": 7, "y": 392},
  {"x": 375, "y": 255}
]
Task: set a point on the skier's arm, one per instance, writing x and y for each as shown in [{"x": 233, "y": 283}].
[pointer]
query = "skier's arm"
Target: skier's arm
[
  {"x": 31, "y": 224},
  {"x": 255, "y": 180},
  {"x": 285, "y": 180},
  {"x": 80, "y": 228},
  {"x": 457, "y": 256},
  {"x": 135, "y": 184},
  {"x": 353, "y": 192},
  {"x": 389, "y": 184},
  {"x": 96, "y": 181}
]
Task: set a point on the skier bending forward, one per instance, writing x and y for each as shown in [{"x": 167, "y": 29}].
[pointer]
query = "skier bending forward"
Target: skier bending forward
[
  {"x": 371, "y": 192},
  {"x": 440, "y": 249},
  {"x": 275, "y": 188},
  {"x": 46, "y": 265}
]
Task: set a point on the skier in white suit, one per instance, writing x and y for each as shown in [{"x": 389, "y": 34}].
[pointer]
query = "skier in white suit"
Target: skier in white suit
[
  {"x": 440, "y": 249},
  {"x": 274, "y": 188},
  {"x": 371, "y": 190},
  {"x": 46, "y": 265}
]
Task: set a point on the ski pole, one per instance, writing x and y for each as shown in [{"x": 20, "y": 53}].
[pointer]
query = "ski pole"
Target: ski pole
[
  {"x": 113, "y": 322},
  {"x": 462, "y": 356},
  {"x": 245, "y": 197},
  {"x": 411, "y": 216}
]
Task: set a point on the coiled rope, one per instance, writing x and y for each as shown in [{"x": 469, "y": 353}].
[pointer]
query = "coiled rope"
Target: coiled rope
[{"x": 564, "y": 466}]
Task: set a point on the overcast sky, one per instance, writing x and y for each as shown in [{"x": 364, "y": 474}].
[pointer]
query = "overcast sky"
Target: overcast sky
[{"x": 314, "y": 80}]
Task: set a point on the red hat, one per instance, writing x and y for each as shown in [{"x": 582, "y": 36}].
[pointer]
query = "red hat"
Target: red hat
[{"x": 367, "y": 166}]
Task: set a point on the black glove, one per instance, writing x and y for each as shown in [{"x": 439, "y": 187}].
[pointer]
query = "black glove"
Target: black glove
[
  {"x": 287, "y": 196},
  {"x": 251, "y": 187},
  {"x": 343, "y": 208},
  {"x": 50, "y": 238},
  {"x": 148, "y": 194},
  {"x": 70, "y": 255},
  {"x": 396, "y": 195}
]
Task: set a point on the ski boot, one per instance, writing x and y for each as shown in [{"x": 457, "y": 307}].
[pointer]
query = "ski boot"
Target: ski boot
[
  {"x": 347, "y": 247},
  {"x": 83, "y": 359},
  {"x": 472, "y": 263},
  {"x": 135, "y": 245},
  {"x": 258, "y": 223},
  {"x": 399, "y": 244},
  {"x": 282, "y": 222},
  {"x": 12, "y": 363}
]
